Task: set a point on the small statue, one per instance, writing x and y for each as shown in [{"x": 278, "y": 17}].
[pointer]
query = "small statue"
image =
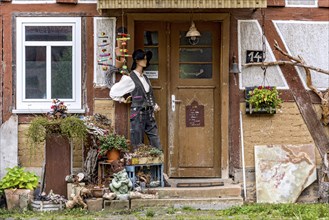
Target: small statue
[
  {"x": 121, "y": 184},
  {"x": 78, "y": 199}
]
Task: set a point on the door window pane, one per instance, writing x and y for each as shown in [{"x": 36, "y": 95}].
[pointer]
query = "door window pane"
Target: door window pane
[
  {"x": 61, "y": 72},
  {"x": 155, "y": 56},
  {"x": 151, "y": 38},
  {"x": 35, "y": 72},
  {"x": 195, "y": 54},
  {"x": 48, "y": 33},
  {"x": 205, "y": 38},
  {"x": 195, "y": 71}
]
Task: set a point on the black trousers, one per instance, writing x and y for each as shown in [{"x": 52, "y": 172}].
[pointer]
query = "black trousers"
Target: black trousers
[{"x": 144, "y": 122}]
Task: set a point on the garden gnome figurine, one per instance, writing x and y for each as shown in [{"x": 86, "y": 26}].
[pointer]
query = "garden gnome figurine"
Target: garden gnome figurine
[{"x": 121, "y": 184}]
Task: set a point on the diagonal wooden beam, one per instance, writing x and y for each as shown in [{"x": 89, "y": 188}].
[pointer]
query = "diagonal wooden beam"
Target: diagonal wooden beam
[{"x": 299, "y": 93}]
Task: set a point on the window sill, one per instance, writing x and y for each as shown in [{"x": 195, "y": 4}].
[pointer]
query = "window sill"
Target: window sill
[{"x": 34, "y": 111}]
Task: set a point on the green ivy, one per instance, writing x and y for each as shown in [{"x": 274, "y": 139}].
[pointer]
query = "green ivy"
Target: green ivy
[
  {"x": 18, "y": 178},
  {"x": 71, "y": 127}
]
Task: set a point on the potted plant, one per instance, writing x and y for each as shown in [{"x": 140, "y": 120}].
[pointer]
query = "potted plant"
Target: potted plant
[
  {"x": 17, "y": 185},
  {"x": 112, "y": 145},
  {"x": 262, "y": 99}
]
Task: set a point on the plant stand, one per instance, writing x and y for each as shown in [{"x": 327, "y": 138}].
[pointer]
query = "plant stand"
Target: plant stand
[{"x": 156, "y": 171}]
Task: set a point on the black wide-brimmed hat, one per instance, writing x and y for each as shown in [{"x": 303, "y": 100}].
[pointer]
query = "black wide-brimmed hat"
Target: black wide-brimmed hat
[{"x": 139, "y": 54}]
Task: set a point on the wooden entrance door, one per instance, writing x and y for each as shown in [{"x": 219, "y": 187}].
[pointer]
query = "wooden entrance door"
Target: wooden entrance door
[
  {"x": 186, "y": 84},
  {"x": 194, "y": 118}
]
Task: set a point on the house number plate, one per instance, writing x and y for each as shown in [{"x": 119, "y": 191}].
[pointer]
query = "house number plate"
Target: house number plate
[{"x": 194, "y": 115}]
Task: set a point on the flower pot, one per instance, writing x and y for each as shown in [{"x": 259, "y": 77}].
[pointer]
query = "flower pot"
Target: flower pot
[
  {"x": 266, "y": 110},
  {"x": 113, "y": 155},
  {"x": 18, "y": 198}
]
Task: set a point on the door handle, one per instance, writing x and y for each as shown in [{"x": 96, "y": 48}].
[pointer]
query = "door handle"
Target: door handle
[{"x": 173, "y": 102}]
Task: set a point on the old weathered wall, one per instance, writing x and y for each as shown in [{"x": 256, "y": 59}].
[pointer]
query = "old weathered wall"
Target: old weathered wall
[
  {"x": 285, "y": 127},
  {"x": 8, "y": 144}
]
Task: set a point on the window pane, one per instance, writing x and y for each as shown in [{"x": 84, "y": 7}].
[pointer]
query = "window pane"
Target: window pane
[
  {"x": 195, "y": 71},
  {"x": 195, "y": 55},
  {"x": 152, "y": 67},
  {"x": 48, "y": 33},
  {"x": 205, "y": 38},
  {"x": 155, "y": 56},
  {"x": 35, "y": 73},
  {"x": 151, "y": 38},
  {"x": 61, "y": 72}
]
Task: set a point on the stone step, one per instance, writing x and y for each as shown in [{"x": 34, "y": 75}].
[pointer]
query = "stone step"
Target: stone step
[
  {"x": 196, "y": 203},
  {"x": 228, "y": 190}
]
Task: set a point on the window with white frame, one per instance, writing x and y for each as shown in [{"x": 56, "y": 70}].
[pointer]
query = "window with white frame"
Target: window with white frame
[
  {"x": 301, "y": 3},
  {"x": 48, "y": 60}
]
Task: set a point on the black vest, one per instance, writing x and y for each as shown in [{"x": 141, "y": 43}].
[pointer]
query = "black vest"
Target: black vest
[{"x": 139, "y": 96}]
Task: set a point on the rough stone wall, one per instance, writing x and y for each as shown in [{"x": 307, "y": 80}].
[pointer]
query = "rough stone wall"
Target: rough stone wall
[
  {"x": 105, "y": 107},
  {"x": 285, "y": 127},
  {"x": 34, "y": 157},
  {"x": 29, "y": 157}
]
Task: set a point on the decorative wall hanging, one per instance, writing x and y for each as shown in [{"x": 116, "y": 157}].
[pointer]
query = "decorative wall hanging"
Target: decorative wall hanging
[{"x": 104, "y": 45}]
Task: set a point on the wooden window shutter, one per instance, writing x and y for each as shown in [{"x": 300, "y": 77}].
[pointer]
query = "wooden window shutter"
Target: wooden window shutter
[
  {"x": 67, "y": 1},
  {"x": 276, "y": 3}
]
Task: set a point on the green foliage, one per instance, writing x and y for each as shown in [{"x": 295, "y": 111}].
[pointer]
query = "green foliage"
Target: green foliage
[
  {"x": 155, "y": 152},
  {"x": 112, "y": 141},
  {"x": 150, "y": 213},
  {"x": 74, "y": 128},
  {"x": 278, "y": 211},
  {"x": 71, "y": 126},
  {"x": 264, "y": 97},
  {"x": 18, "y": 178}
]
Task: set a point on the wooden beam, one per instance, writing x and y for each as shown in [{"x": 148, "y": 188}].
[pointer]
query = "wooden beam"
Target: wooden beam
[
  {"x": 1, "y": 73},
  {"x": 300, "y": 94}
]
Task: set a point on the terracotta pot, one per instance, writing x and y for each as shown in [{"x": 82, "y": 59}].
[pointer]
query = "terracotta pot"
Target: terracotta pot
[
  {"x": 18, "y": 198},
  {"x": 113, "y": 155}
]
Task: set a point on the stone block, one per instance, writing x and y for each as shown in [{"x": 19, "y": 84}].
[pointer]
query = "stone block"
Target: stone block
[
  {"x": 95, "y": 204},
  {"x": 113, "y": 205}
]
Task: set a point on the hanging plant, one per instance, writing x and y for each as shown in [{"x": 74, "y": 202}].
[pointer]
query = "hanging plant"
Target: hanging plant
[
  {"x": 263, "y": 99},
  {"x": 56, "y": 122}
]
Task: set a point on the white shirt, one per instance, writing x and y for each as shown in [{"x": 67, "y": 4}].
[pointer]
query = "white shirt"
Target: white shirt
[{"x": 126, "y": 85}]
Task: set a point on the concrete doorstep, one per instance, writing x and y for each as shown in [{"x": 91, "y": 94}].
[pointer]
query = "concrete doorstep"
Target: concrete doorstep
[{"x": 200, "y": 203}]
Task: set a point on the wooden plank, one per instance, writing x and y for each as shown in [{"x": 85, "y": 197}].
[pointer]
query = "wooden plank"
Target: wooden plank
[
  {"x": 323, "y": 3},
  {"x": 1, "y": 73},
  {"x": 300, "y": 94},
  {"x": 58, "y": 164},
  {"x": 276, "y": 3},
  {"x": 67, "y": 1}
]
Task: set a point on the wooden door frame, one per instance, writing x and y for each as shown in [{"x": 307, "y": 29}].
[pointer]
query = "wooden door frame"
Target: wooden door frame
[{"x": 224, "y": 19}]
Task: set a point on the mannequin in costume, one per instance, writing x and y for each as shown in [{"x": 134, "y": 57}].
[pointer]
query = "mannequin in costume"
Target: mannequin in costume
[{"x": 143, "y": 105}]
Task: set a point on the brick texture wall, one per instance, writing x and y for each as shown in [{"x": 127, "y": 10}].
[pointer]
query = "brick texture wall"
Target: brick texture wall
[
  {"x": 285, "y": 127},
  {"x": 105, "y": 107}
]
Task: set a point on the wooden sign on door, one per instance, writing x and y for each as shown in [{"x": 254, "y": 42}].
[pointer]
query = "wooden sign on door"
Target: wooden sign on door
[{"x": 194, "y": 115}]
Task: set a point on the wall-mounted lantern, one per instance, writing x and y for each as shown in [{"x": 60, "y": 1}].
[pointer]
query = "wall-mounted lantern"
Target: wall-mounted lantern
[{"x": 193, "y": 34}]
